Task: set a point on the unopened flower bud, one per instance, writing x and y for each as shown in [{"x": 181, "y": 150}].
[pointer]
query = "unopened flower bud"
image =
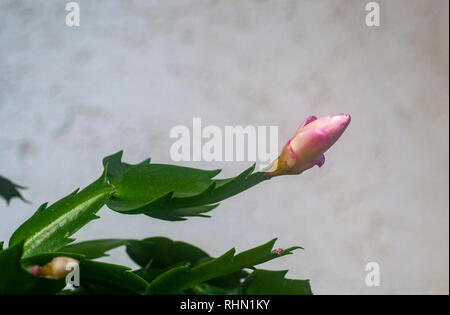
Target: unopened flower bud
[
  {"x": 58, "y": 268},
  {"x": 35, "y": 270},
  {"x": 278, "y": 251},
  {"x": 308, "y": 145}
]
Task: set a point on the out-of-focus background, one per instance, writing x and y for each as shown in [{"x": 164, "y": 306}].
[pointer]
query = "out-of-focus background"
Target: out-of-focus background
[{"x": 134, "y": 69}]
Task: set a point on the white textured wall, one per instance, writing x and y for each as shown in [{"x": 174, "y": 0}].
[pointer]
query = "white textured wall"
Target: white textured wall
[{"x": 134, "y": 69}]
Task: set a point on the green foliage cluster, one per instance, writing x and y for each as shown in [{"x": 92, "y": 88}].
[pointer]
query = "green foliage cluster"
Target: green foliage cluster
[{"x": 165, "y": 192}]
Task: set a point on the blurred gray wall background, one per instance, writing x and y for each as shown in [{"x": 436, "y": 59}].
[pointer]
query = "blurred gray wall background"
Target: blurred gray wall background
[{"x": 135, "y": 69}]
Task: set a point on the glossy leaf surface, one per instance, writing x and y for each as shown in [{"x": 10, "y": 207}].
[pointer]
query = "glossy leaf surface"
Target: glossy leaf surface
[
  {"x": 264, "y": 282},
  {"x": 184, "y": 277},
  {"x": 49, "y": 228},
  {"x": 171, "y": 192}
]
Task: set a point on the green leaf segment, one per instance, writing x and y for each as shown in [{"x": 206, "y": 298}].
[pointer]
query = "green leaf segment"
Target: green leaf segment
[
  {"x": 171, "y": 192},
  {"x": 9, "y": 190},
  {"x": 262, "y": 282},
  {"x": 184, "y": 277},
  {"x": 49, "y": 228}
]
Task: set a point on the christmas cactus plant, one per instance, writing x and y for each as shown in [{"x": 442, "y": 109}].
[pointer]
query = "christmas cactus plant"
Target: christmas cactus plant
[{"x": 41, "y": 256}]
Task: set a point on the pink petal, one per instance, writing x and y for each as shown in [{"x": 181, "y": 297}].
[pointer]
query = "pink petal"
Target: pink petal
[
  {"x": 35, "y": 270},
  {"x": 320, "y": 161},
  {"x": 307, "y": 121}
]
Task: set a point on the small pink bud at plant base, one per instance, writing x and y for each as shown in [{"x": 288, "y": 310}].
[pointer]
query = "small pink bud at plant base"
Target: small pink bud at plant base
[
  {"x": 35, "y": 270},
  {"x": 308, "y": 145},
  {"x": 278, "y": 251},
  {"x": 58, "y": 268}
]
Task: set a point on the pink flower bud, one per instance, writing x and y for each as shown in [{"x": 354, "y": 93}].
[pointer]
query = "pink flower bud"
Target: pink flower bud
[
  {"x": 58, "y": 268},
  {"x": 35, "y": 270},
  {"x": 278, "y": 251},
  {"x": 308, "y": 145}
]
